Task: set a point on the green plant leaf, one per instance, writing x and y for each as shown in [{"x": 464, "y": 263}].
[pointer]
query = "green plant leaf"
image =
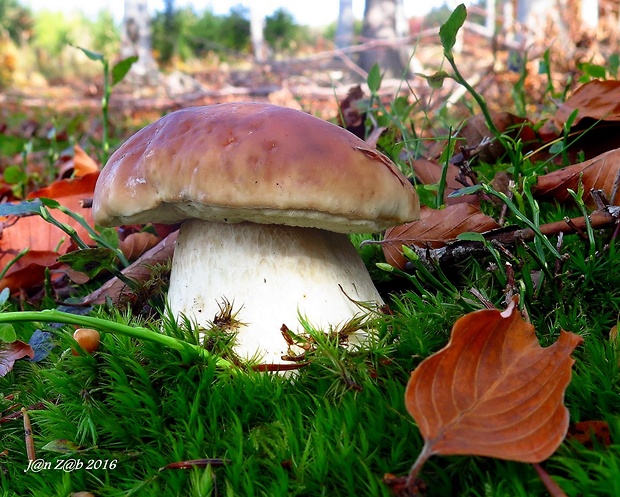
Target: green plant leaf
[
  {"x": 468, "y": 190},
  {"x": 470, "y": 236},
  {"x": 90, "y": 261},
  {"x": 14, "y": 175},
  {"x": 120, "y": 69},
  {"x": 374, "y": 79},
  {"x": 50, "y": 202},
  {"x": 20, "y": 208},
  {"x": 450, "y": 28},
  {"x": 7, "y": 333},
  {"x": 62, "y": 446},
  {"x": 92, "y": 55},
  {"x": 436, "y": 80}
]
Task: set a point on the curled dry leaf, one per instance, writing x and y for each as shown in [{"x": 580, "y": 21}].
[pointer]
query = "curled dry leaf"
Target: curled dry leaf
[
  {"x": 135, "y": 244},
  {"x": 435, "y": 229},
  {"x": 599, "y": 173},
  {"x": 11, "y": 352},
  {"x": 492, "y": 391}
]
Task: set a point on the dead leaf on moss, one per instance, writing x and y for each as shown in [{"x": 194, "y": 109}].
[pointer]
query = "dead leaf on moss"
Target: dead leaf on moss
[
  {"x": 140, "y": 271},
  {"x": 476, "y": 130},
  {"x": 599, "y": 173},
  {"x": 435, "y": 229},
  {"x": 492, "y": 391}
]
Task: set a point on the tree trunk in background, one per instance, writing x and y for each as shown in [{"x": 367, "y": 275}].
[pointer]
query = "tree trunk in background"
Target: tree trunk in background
[
  {"x": 345, "y": 26},
  {"x": 536, "y": 16},
  {"x": 257, "y": 27},
  {"x": 589, "y": 14},
  {"x": 380, "y": 23},
  {"x": 136, "y": 40},
  {"x": 490, "y": 18}
]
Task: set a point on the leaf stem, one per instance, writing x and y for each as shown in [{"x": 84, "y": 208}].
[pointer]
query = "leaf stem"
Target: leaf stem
[{"x": 417, "y": 465}]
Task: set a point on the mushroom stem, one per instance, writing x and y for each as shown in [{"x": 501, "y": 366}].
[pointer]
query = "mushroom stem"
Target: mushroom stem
[{"x": 272, "y": 275}]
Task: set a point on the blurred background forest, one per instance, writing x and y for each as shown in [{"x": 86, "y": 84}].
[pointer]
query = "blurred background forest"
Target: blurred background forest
[{"x": 184, "y": 52}]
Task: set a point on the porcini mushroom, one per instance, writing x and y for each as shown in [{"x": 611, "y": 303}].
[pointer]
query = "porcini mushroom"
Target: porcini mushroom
[{"x": 267, "y": 196}]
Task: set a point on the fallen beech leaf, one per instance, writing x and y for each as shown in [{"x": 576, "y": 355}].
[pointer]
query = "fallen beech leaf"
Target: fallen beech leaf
[
  {"x": 596, "y": 99},
  {"x": 352, "y": 117},
  {"x": 11, "y": 352},
  {"x": 135, "y": 244},
  {"x": 83, "y": 163},
  {"x": 42, "y": 237},
  {"x": 434, "y": 229},
  {"x": 492, "y": 391},
  {"x": 600, "y": 173}
]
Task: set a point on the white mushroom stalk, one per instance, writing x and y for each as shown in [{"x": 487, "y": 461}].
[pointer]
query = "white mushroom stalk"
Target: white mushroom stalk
[
  {"x": 267, "y": 197},
  {"x": 271, "y": 275}
]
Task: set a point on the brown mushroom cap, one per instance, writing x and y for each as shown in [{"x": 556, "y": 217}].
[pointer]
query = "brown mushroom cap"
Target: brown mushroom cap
[{"x": 252, "y": 162}]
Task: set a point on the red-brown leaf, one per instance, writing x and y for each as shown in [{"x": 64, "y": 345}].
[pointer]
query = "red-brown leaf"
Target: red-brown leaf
[
  {"x": 42, "y": 237},
  {"x": 596, "y": 99},
  {"x": 11, "y": 352},
  {"x": 435, "y": 229},
  {"x": 493, "y": 390},
  {"x": 600, "y": 173}
]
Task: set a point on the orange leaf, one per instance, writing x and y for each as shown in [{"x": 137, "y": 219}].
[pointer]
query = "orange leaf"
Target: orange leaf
[
  {"x": 135, "y": 244},
  {"x": 600, "y": 173},
  {"x": 40, "y": 236},
  {"x": 493, "y": 390},
  {"x": 434, "y": 229},
  {"x": 29, "y": 270},
  {"x": 83, "y": 163}
]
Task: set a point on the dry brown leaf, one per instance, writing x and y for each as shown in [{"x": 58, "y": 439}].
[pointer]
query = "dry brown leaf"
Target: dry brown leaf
[
  {"x": 435, "y": 229},
  {"x": 597, "y": 99},
  {"x": 11, "y": 352},
  {"x": 599, "y": 173},
  {"x": 492, "y": 391},
  {"x": 590, "y": 431},
  {"x": 476, "y": 130},
  {"x": 135, "y": 244}
]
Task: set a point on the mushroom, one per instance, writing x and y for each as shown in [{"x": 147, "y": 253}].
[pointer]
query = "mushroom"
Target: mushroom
[{"x": 267, "y": 196}]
